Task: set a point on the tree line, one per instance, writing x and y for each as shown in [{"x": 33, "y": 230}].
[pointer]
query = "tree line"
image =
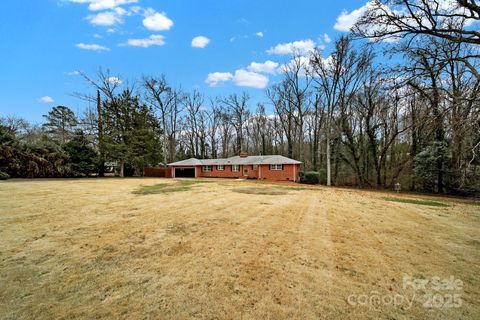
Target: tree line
[{"x": 402, "y": 107}]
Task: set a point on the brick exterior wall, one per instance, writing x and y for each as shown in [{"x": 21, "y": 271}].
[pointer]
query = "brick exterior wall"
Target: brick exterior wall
[
  {"x": 290, "y": 172},
  {"x": 226, "y": 173}
]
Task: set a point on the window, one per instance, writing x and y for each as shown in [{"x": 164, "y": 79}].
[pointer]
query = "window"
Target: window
[
  {"x": 235, "y": 168},
  {"x": 220, "y": 168},
  {"x": 276, "y": 167},
  {"x": 255, "y": 167},
  {"x": 207, "y": 168}
]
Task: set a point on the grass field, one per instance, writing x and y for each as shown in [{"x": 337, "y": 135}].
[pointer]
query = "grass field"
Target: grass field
[{"x": 227, "y": 249}]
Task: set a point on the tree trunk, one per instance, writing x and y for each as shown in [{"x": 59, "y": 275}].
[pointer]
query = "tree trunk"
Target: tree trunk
[
  {"x": 414, "y": 146},
  {"x": 101, "y": 151},
  {"x": 122, "y": 169},
  {"x": 328, "y": 152}
]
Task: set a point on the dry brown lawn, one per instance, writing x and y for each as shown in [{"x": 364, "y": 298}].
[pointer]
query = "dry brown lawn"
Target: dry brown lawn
[{"x": 96, "y": 248}]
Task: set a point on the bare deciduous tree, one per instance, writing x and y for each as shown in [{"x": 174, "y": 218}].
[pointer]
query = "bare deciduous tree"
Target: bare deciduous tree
[{"x": 337, "y": 79}]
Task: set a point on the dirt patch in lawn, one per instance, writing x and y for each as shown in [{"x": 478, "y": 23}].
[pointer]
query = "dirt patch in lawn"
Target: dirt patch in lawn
[{"x": 168, "y": 187}]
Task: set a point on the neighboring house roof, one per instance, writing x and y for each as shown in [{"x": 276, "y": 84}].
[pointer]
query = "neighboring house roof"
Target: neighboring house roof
[{"x": 237, "y": 160}]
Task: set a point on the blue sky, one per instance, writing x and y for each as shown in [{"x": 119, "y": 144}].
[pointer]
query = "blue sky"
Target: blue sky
[{"x": 45, "y": 41}]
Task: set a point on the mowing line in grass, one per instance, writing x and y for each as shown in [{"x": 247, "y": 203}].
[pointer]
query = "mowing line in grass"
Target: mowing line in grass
[
  {"x": 418, "y": 201},
  {"x": 260, "y": 191}
]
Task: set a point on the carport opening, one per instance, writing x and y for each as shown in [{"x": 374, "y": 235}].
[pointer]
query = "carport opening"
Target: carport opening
[{"x": 184, "y": 172}]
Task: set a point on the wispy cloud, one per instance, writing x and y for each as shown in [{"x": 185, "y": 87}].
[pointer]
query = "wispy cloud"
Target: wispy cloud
[
  {"x": 114, "y": 80},
  {"x": 46, "y": 99},
  {"x": 91, "y": 47},
  {"x": 108, "y": 18},
  {"x": 152, "y": 40},
  {"x": 326, "y": 38},
  {"x": 96, "y": 5}
]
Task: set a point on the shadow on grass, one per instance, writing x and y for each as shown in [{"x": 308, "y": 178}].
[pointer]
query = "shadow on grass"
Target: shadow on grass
[{"x": 418, "y": 201}]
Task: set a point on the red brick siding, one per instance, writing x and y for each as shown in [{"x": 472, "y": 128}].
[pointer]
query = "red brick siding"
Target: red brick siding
[
  {"x": 290, "y": 172},
  {"x": 226, "y": 173}
]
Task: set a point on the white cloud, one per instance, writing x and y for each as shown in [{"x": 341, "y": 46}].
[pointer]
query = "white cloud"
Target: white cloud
[
  {"x": 301, "y": 63},
  {"x": 152, "y": 40},
  {"x": 328, "y": 61},
  {"x": 46, "y": 99},
  {"x": 200, "y": 42},
  {"x": 259, "y": 34},
  {"x": 346, "y": 20},
  {"x": 73, "y": 73},
  {"x": 92, "y": 47},
  {"x": 114, "y": 80},
  {"x": 95, "y": 5},
  {"x": 107, "y": 18},
  {"x": 213, "y": 79},
  {"x": 156, "y": 21},
  {"x": 108, "y": 4},
  {"x": 326, "y": 38},
  {"x": 296, "y": 47},
  {"x": 265, "y": 67},
  {"x": 244, "y": 78},
  {"x": 97, "y": 36}
]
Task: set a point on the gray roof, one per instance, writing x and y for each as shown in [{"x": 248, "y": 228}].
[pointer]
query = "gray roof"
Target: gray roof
[
  {"x": 187, "y": 162},
  {"x": 236, "y": 160}
]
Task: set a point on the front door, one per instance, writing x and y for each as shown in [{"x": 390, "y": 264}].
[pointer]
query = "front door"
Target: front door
[{"x": 245, "y": 171}]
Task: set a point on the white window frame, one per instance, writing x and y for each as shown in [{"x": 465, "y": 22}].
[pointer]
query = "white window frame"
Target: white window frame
[
  {"x": 206, "y": 168},
  {"x": 276, "y": 167},
  {"x": 220, "y": 166},
  {"x": 235, "y": 168}
]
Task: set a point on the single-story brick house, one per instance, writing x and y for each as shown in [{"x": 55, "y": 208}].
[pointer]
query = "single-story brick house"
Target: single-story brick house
[{"x": 277, "y": 168}]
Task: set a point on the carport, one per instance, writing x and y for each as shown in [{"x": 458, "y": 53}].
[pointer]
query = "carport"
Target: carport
[{"x": 185, "y": 172}]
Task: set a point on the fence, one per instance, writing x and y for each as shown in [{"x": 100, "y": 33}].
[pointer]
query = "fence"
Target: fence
[{"x": 162, "y": 172}]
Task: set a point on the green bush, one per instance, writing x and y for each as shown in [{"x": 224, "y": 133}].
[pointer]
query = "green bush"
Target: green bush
[
  {"x": 310, "y": 177},
  {"x": 4, "y": 176},
  {"x": 323, "y": 175}
]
